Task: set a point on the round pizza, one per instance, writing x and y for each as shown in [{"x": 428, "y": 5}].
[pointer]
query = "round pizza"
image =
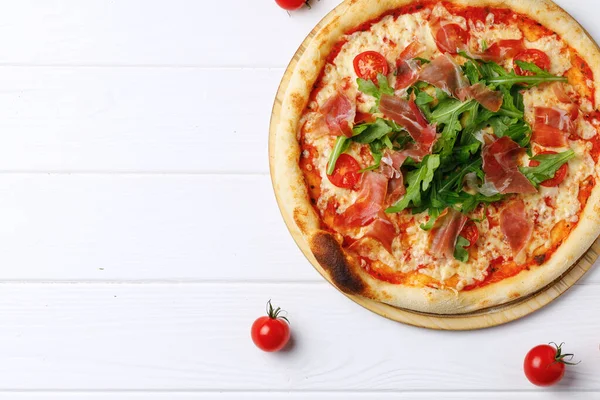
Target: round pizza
[{"x": 442, "y": 156}]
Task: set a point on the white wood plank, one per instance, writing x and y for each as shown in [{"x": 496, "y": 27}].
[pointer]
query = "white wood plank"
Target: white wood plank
[
  {"x": 196, "y": 337},
  {"x": 147, "y": 227},
  {"x": 540, "y": 394},
  {"x": 177, "y": 32},
  {"x": 135, "y": 119},
  {"x": 144, "y": 227},
  {"x": 137, "y": 32}
]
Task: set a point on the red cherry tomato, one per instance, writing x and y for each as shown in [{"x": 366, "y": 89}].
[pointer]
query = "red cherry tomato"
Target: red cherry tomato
[
  {"x": 345, "y": 174},
  {"x": 451, "y": 37},
  {"x": 271, "y": 332},
  {"x": 369, "y": 64},
  {"x": 291, "y": 5},
  {"x": 544, "y": 365},
  {"x": 535, "y": 56},
  {"x": 471, "y": 233},
  {"x": 559, "y": 176}
]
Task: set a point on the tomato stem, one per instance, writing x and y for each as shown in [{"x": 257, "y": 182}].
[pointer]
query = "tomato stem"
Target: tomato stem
[
  {"x": 273, "y": 313},
  {"x": 560, "y": 358}
]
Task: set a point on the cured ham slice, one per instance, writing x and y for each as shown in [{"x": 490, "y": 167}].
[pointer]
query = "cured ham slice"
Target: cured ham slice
[
  {"x": 490, "y": 99},
  {"x": 407, "y": 114},
  {"x": 552, "y": 127},
  {"x": 515, "y": 225},
  {"x": 500, "y": 164},
  {"x": 338, "y": 113},
  {"x": 503, "y": 50},
  {"x": 444, "y": 73},
  {"x": 391, "y": 163},
  {"x": 443, "y": 238},
  {"x": 383, "y": 231},
  {"x": 396, "y": 189},
  {"x": 369, "y": 203},
  {"x": 449, "y": 37},
  {"x": 367, "y": 210},
  {"x": 407, "y": 69}
]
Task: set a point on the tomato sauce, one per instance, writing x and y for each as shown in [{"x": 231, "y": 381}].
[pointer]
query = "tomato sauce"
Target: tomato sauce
[
  {"x": 499, "y": 268},
  {"x": 335, "y": 51}
]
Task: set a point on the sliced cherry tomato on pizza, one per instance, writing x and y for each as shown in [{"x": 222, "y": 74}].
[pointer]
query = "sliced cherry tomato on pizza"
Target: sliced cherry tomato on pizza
[
  {"x": 292, "y": 5},
  {"x": 534, "y": 56},
  {"x": 471, "y": 233},
  {"x": 451, "y": 37},
  {"x": 559, "y": 176},
  {"x": 544, "y": 365},
  {"x": 272, "y": 331},
  {"x": 369, "y": 64},
  {"x": 345, "y": 174}
]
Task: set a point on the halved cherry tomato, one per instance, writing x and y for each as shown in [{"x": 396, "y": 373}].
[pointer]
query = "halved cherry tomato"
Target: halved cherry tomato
[
  {"x": 535, "y": 56},
  {"x": 345, "y": 174},
  {"x": 291, "y": 5},
  {"x": 451, "y": 37},
  {"x": 471, "y": 233},
  {"x": 370, "y": 63},
  {"x": 559, "y": 176}
]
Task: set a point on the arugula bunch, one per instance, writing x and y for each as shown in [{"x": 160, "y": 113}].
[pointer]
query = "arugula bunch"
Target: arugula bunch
[{"x": 437, "y": 182}]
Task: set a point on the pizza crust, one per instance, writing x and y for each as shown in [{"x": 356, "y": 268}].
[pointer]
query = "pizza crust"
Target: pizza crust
[{"x": 323, "y": 248}]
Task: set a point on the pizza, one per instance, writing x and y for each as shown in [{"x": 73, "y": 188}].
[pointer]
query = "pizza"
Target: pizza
[{"x": 442, "y": 156}]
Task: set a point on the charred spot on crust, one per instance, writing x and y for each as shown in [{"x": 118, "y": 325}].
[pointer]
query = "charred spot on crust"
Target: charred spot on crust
[
  {"x": 330, "y": 255},
  {"x": 539, "y": 259}
]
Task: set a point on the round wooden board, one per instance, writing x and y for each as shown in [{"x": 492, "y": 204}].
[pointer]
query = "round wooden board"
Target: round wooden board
[{"x": 476, "y": 320}]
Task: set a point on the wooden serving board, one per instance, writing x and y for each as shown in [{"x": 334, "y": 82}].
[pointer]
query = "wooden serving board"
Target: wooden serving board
[{"x": 475, "y": 320}]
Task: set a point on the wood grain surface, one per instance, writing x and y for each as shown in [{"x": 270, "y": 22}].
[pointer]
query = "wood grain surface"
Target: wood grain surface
[
  {"x": 476, "y": 320},
  {"x": 140, "y": 237}
]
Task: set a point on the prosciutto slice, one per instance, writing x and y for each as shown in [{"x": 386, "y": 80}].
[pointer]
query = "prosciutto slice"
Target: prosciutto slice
[
  {"x": 443, "y": 238},
  {"x": 368, "y": 204},
  {"x": 552, "y": 127},
  {"x": 445, "y": 74},
  {"x": 490, "y": 99},
  {"x": 500, "y": 164},
  {"x": 407, "y": 114},
  {"x": 407, "y": 69},
  {"x": 367, "y": 210},
  {"x": 383, "y": 231},
  {"x": 503, "y": 49},
  {"x": 338, "y": 113},
  {"x": 515, "y": 225}
]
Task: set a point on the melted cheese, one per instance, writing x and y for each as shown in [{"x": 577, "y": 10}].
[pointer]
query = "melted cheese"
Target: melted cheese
[
  {"x": 557, "y": 51},
  {"x": 411, "y": 249}
]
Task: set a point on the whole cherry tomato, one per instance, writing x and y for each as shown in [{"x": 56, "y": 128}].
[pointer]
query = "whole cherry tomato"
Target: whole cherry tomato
[{"x": 272, "y": 331}]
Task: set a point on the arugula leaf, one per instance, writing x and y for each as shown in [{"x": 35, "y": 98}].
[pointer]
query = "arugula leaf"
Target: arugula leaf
[
  {"x": 376, "y": 147},
  {"x": 509, "y": 108},
  {"x": 511, "y": 78},
  {"x": 341, "y": 145},
  {"x": 549, "y": 164},
  {"x": 471, "y": 71},
  {"x": 370, "y": 88},
  {"x": 448, "y": 113},
  {"x": 423, "y": 60},
  {"x": 418, "y": 181},
  {"x": 484, "y": 45},
  {"x": 434, "y": 213},
  {"x": 464, "y": 153},
  {"x": 423, "y": 98},
  {"x": 371, "y": 131},
  {"x": 471, "y": 201},
  {"x": 460, "y": 251}
]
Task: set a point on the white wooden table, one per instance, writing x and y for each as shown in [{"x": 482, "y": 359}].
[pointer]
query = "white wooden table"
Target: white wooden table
[{"x": 140, "y": 237}]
